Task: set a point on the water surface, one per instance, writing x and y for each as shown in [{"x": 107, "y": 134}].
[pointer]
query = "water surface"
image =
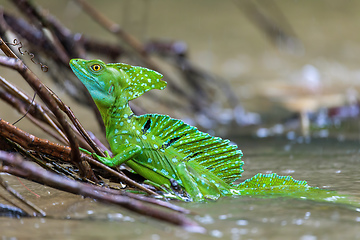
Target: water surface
[{"x": 324, "y": 163}]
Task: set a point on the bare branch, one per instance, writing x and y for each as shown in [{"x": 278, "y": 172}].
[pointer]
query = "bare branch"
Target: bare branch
[
  {"x": 31, "y": 142},
  {"x": 47, "y": 98},
  {"x": 16, "y": 166}
]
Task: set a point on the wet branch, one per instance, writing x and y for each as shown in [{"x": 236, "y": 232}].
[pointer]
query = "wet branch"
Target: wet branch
[
  {"x": 43, "y": 146},
  {"x": 18, "y": 167},
  {"x": 46, "y": 96}
]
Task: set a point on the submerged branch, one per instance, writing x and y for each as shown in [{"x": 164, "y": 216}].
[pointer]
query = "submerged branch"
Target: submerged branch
[
  {"x": 3, "y": 184},
  {"x": 18, "y": 167}
]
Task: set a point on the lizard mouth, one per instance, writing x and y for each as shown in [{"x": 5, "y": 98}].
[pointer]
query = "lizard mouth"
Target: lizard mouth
[{"x": 81, "y": 74}]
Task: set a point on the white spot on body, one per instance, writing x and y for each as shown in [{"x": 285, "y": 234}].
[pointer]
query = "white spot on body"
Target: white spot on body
[{"x": 163, "y": 171}]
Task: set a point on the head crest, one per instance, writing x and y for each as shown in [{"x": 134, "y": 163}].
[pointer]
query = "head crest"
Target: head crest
[{"x": 140, "y": 80}]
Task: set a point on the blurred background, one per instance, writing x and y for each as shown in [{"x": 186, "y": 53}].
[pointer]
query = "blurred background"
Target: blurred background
[{"x": 272, "y": 67}]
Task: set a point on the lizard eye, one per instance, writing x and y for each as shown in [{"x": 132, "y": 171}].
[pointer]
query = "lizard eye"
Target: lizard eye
[{"x": 95, "y": 67}]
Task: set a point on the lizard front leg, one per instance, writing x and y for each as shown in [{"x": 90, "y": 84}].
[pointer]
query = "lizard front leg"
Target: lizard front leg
[{"x": 123, "y": 154}]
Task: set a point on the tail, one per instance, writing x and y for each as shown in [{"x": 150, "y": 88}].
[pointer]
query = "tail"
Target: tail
[
  {"x": 266, "y": 181},
  {"x": 273, "y": 185}
]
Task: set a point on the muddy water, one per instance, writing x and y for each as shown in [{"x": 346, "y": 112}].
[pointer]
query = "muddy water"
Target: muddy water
[
  {"x": 327, "y": 163},
  {"x": 324, "y": 72}
]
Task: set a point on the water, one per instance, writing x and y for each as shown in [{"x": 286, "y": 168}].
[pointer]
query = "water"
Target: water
[
  {"x": 324, "y": 163},
  {"x": 266, "y": 79}
]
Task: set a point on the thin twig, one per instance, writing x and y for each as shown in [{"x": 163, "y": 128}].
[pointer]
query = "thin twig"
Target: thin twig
[
  {"x": 37, "y": 18},
  {"x": 46, "y": 96},
  {"x": 19, "y": 105},
  {"x": 38, "y": 113}
]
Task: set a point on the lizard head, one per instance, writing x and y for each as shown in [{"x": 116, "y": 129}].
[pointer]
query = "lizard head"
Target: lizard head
[
  {"x": 107, "y": 82},
  {"x": 97, "y": 78}
]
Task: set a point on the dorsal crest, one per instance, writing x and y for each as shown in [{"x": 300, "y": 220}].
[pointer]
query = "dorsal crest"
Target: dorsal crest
[
  {"x": 140, "y": 80},
  {"x": 191, "y": 145}
]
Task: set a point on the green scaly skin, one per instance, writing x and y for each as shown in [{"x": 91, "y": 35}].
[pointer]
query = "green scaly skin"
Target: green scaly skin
[{"x": 161, "y": 149}]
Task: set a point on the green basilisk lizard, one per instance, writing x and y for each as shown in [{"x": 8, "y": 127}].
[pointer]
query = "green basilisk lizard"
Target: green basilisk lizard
[{"x": 166, "y": 150}]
